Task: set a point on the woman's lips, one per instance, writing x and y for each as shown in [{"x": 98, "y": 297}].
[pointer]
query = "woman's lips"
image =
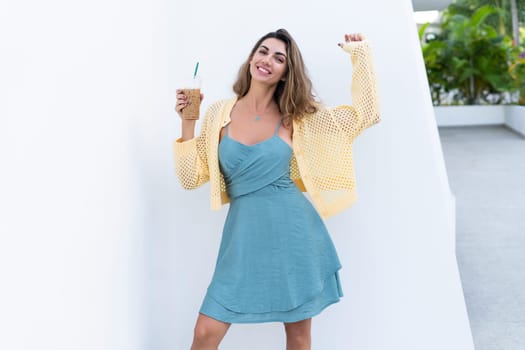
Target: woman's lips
[{"x": 263, "y": 70}]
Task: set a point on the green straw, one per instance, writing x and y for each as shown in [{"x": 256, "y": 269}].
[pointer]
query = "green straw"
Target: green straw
[{"x": 196, "y": 69}]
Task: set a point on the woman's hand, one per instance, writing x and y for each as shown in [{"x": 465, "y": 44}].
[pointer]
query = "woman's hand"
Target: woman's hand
[
  {"x": 187, "y": 126},
  {"x": 182, "y": 101},
  {"x": 352, "y": 37}
]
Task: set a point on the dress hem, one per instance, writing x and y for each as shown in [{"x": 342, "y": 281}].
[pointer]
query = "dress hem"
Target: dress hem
[
  {"x": 259, "y": 317},
  {"x": 314, "y": 294},
  {"x": 280, "y": 320}
]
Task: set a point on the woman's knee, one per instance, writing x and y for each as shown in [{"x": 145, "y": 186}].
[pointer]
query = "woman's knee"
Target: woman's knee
[
  {"x": 298, "y": 333},
  {"x": 208, "y": 331}
]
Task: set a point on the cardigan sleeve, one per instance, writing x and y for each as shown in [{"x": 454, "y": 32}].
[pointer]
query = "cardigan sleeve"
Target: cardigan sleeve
[
  {"x": 364, "y": 111},
  {"x": 191, "y": 157}
]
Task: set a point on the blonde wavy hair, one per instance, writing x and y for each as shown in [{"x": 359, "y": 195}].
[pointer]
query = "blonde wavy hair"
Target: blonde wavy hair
[{"x": 293, "y": 95}]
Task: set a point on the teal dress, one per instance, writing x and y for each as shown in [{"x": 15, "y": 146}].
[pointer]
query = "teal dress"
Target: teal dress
[{"x": 276, "y": 261}]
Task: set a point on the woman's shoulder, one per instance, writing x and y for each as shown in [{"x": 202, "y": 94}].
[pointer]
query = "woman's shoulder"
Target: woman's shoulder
[
  {"x": 324, "y": 117},
  {"x": 319, "y": 109},
  {"x": 218, "y": 105},
  {"x": 217, "y": 109}
]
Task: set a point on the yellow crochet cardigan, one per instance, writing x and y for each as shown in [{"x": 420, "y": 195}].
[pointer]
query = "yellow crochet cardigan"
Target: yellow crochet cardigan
[{"x": 322, "y": 162}]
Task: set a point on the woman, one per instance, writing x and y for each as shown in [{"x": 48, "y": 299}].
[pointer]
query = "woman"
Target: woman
[{"x": 260, "y": 150}]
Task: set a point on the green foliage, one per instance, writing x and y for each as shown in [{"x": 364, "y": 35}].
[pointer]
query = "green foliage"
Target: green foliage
[
  {"x": 470, "y": 62},
  {"x": 503, "y": 23},
  {"x": 517, "y": 70}
]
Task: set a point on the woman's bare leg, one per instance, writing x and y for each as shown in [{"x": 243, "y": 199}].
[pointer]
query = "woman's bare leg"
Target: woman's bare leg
[
  {"x": 208, "y": 333},
  {"x": 298, "y": 335}
]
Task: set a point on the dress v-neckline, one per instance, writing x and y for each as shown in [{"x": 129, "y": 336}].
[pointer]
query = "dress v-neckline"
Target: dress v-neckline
[
  {"x": 252, "y": 145},
  {"x": 275, "y": 134}
]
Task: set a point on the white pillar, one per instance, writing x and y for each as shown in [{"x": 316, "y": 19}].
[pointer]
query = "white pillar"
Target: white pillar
[{"x": 400, "y": 276}]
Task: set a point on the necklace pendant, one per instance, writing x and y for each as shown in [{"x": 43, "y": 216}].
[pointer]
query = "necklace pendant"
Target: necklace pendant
[{"x": 257, "y": 118}]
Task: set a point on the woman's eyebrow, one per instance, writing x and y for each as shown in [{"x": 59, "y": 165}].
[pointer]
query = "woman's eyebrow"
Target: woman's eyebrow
[{"x": 276, "y": 52}]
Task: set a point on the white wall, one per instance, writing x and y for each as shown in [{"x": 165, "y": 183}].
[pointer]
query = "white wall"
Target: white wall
[
  {"x": 397, "y": 244},
  {"x": 469, "y": 115},
  {"x": 515, "y": 118},
  {"x": 74, "y": 77}
]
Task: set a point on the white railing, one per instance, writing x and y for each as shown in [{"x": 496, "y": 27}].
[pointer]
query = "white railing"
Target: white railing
[{"x": 512, "y": 116}]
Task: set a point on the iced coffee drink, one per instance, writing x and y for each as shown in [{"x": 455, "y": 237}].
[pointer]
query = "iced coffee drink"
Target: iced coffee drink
[{"x": 192, "y": 109}]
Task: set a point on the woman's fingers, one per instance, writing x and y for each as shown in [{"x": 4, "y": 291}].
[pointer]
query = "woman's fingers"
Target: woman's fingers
[
  {"x": 181, "y": 101},
  {"x": 354, "y": 37},
  {"x": 351, "y": 38},
  {"x": 181, "y": 104},
  {"x": 181, "y": 96}
]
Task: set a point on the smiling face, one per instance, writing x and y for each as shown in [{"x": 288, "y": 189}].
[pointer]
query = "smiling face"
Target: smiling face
[
  {"x": 276, "y": 59},
  {"x": 269, "y": 62}
]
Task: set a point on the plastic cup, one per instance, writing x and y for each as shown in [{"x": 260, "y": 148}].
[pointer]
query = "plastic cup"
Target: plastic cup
[{"x": 192, "y": 90}]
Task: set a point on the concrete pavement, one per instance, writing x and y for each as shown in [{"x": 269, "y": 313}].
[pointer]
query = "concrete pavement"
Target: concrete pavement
[{"x": 486, "y": 169}]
